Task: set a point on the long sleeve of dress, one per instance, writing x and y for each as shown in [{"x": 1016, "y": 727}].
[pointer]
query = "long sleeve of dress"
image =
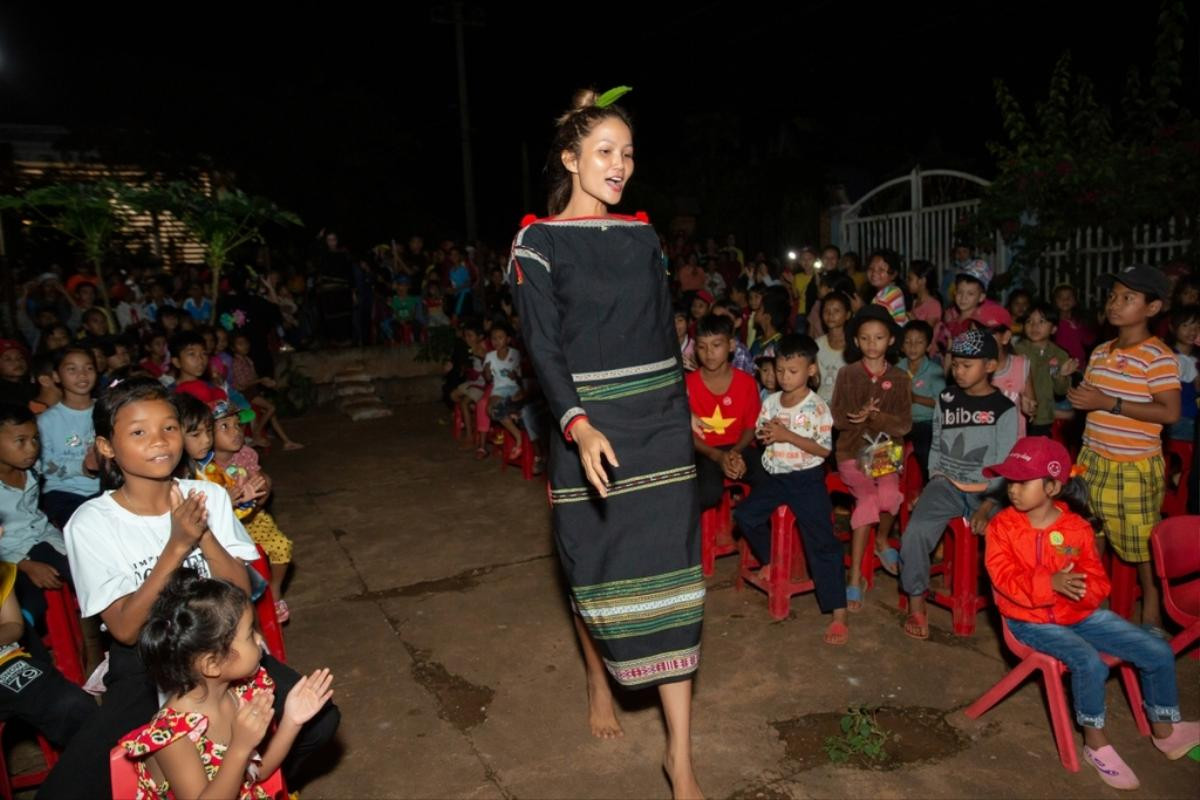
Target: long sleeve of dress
[{"x": 531, "y": 279}]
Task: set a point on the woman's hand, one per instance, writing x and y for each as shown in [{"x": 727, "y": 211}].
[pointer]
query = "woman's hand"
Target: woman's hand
[
  {"x": 189, "y": 518},
  {"x": 251, "y": 723},
  {"x": 593, "y": 448},
  {"x": 307, "y": 697}
]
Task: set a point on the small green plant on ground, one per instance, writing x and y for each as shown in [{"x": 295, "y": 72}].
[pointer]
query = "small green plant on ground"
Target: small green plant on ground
[{"x": 862, "y": 738}]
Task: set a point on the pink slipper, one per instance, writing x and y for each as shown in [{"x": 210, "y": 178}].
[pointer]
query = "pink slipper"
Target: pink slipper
[
  {"x": 282, "y": 612},
  {"x": 1183, "y": 738},
  {"x": 1113, "y": 771}
]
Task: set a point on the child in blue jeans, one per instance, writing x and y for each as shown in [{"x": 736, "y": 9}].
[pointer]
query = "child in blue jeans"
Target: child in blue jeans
[
  {"x": 1049, "y": 584},
  {"x": 796, "y": 428}
]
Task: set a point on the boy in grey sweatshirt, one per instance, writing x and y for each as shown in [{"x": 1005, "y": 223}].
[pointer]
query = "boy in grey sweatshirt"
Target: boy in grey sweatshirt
[{"x": 974, "y": 424}]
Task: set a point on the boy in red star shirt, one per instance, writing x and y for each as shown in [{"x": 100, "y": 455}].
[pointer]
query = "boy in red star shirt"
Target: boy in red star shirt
[{"x": 726, "y": 402}]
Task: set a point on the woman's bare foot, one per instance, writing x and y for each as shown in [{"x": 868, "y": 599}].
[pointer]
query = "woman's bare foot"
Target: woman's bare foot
[
  {"x": 683, "y": 781},
  {"x": 602, "y": 714}
]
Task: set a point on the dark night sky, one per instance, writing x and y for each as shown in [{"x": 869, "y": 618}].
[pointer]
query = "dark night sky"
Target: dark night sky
[{"x": 349, "y": 116}]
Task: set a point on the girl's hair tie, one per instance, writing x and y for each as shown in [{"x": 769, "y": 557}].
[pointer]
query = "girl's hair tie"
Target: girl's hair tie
[
  {"x": 1077, "y": 470},
  {"x": 115, "y": 382}
]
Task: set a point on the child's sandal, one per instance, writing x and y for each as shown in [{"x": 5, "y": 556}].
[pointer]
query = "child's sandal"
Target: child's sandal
[
  {"x": 917, "y": 626},
  {"x": 854, "y": 598},
  {"x": 282, "y": 612},
  {"x": 837, "y": 634}
]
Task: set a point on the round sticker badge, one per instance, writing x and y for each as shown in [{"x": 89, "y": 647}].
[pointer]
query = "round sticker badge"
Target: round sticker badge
[
  {"x": 727, "y": 401},
  {"x": 1056, "y": 538},
  {"x": 886, "y": 385}
]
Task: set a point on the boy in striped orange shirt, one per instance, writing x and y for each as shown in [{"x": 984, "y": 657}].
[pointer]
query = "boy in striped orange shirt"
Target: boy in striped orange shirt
[{"x": 1130, "y": 391}]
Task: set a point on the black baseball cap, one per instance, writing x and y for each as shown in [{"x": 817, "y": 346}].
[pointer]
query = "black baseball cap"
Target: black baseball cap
[{"x": 1141, "y": 278}]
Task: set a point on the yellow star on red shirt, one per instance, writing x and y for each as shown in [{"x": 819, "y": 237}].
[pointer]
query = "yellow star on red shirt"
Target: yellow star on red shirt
[{"x": 717, "y": 422}]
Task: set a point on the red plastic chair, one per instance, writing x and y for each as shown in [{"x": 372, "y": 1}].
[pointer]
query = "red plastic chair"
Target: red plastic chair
[
  {"x": 1175, "y": 499},
  {"x": 524, "y": 461},
  {"x": 64, "y": 636},
  {"x": 1175, "y": 548},
  {"x": 26, "y": 780},
  {"x": 264, "y": 609},
  {"x": 716, "y": 529},
  {"x": 870, "y": 560},
  {"x": 1125, "y": 587},
  {"x": 123, "y": 776},
  {"x": 1053, "y": 671},
  {"x": 911, "y": 485},
  {"x": 787, "y": 574},
  {"x": 960, "y": 573}
]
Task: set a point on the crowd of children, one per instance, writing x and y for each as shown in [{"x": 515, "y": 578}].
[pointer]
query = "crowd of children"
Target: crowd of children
[{"x": 128, "y": 449}]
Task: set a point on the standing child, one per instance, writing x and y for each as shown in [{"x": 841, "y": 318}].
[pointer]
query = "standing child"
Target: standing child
[
  {"x": 1049, "y": 365},
  {"x": 1130, "y": 390},
  {"x": 796, "y": 428},
  {"x": 1012, "y": 375},
  {"x": 726, "y": 402},
  {"x": 687, "y": 345},
  {"x": 200, "y": 648},
  {"x": 124, "y": 546},
  {"x": 922, "y": 287},
  {"x": 1185, "y": 332},
  {"x": 502, "y": 369},
  {"x": 835, "y": 311},
  {"x": 872, "y": 404},
  {"x": 67, "y": 436},
  {"x": 770, "y": 320},
  {"x": 927, "y": 380},
  {"x": 48, "y": 392},
  {"x": 970, "y": 295},
  {"x": 1049, "y": 584},
  {"x": 973, "y": 425},
  {"x": 883, "y": 272},
  {"x": 15, "y": 387},
  {"x": 233, "y": 456},
  {"x": 1074, "y": 334}
]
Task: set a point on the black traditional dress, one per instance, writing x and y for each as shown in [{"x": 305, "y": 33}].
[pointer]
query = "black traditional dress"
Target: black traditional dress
[{"x": 595, "y": 310}]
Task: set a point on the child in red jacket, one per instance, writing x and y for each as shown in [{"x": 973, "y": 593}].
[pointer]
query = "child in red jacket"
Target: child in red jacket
[{"x": 1049, "y": 584}]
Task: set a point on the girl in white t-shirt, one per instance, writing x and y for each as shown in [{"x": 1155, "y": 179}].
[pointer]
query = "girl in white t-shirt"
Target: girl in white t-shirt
[{"x": 124, "y": 546}]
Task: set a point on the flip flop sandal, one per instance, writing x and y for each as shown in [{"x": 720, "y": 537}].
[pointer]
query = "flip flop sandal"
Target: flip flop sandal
[
  {"x": 837, "y": 634},
  {"x": 889, "y": 559},
  {"x": 854, "y": 599},
  {"x": 917, "y": 626}
]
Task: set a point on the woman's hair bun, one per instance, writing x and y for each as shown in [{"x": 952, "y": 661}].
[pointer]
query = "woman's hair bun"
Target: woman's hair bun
[{"x": 582, "y": 99}]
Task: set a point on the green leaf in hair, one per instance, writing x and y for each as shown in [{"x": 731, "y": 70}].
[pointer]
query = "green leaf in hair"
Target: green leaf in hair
[{"x": 612, "y": 95}]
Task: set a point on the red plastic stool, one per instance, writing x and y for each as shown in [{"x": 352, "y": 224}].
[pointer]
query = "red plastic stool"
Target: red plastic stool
[
  {"x": 870, "y": 560},
  {"x": 26, "y": 780},
  {"x": 1175, "y": 499},
  {"x": 911, "y": 486},
  {"x": 788, "y": 570},
  {"x": 1176, "y": 553},
  {"x": 459, "y": 424},
  {"x": 716, "y": 529},
  {"x": 264, "y": 609},
  {"x": 1058, "y": 432},
  {"x": 1053, "y": 671},
  {"x": 1125, "y": 587},
  {"x": 960, "y": 572},
  {"x": 524, "y": 461},
  {"x": 64, "y": 636}
]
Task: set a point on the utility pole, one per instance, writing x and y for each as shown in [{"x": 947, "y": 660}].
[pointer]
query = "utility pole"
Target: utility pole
[{"x": 460, "y": 15}]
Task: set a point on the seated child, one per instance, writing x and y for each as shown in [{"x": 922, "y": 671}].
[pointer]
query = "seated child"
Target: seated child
[
  {"x": 48, "y": 393},
  {"x": 726, "y": 402},
  {"x": 231, "y": 455},
  {"x": 872, "y": 403},
  {"x": 796, "y": 428},
  {"x": 31, "y": 542},
  {"x": 973, "y": 425},
  {"x": 765, "y": 365},
  {"x": 1049, "y": 365},
  {"x": 502, "y": 369},
  {"x": 245, "y": 379},
  {"x": 36, "y": 692},
  {"x": 16, "y": 388},
  {"x": 970, "y": 296},
  {"x": 200, "y": 648},
  {"x": 1184, "y": 325},
  {"x": 741, "y": 354},
  {"x": 157, "y": 361},
  {"x": 470, "y": 390},
  {"x": 687, "y": 346},
  {"x": 1049, "y": 584},
  {"x": 189, "y": 356},
  {"x": 1012, "y": 375},
  {"x": 67, "y": 436},
  {"x": 927, "y": 380}
]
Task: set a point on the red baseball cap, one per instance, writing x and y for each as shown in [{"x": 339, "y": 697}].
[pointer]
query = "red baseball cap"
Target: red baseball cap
[
  {"x": 1031, "y": 458},
  {"x": 993, "y": 315},
  {"x": 13, "y": 344},
  {"x": 705, "y": 295}
]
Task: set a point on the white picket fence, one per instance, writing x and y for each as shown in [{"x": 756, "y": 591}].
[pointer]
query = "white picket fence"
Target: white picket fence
[
  {"x": 928, "y": 232},
  {"x": 1097, "y": 254}
]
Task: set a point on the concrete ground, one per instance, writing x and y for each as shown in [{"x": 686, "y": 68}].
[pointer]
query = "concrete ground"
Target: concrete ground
[{"x": 428, "y": 582}]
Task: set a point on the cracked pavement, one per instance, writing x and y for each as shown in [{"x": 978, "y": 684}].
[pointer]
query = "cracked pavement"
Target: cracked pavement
[{"x": 428, "y": 582}]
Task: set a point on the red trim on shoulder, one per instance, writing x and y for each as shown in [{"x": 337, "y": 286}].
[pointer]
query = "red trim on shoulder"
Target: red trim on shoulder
[
  {"x": 640, "y": 216},
  {"x": 571, "y": 424}
]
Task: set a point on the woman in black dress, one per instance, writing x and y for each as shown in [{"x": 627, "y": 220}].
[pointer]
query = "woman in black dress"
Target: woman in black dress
[{"x": 592, "y": 292}]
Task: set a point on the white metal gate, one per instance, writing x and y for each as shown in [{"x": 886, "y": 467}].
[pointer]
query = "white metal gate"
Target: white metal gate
[{"x": 920, "y": 231}]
